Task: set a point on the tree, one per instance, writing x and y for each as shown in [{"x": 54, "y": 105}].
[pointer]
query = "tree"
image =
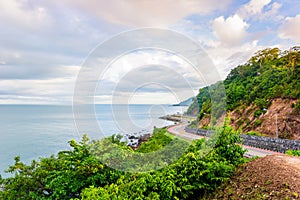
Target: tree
[{"x": 57, "y": 177}]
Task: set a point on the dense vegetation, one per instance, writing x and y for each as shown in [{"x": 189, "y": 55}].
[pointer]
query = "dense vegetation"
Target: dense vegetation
[
  {"x": 269, "y": 74},
  {"x": 156, "y": 142},
  {"x": 293, "y": 152},
  {"x": 58, "y": 177},
  {"x": 78, "y": 173}
]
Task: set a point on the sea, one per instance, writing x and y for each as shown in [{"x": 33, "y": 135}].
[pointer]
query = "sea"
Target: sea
[{"x": 35, "y": 131}]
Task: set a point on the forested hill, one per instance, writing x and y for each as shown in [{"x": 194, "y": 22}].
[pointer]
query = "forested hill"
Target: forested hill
[{"x": 265, "y": 87}]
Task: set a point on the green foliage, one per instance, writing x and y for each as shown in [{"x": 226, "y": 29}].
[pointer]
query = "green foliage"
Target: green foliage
[
  {"x": 262, "y": 103},
  {"x": 201, "y": 103},
  {"x": 77, "y": 173},
  {"x": 257, "y": 113},
  {"x": 269, "y": 74},
  {"x": 257, "y": 123},
  {"x": 205, "y": 127},
  {"x": 293, "y": 152},
  {"x": 126, "y": 159},
  {"x": 57, "y": 177},
  {"x": 156, "y": 142},
  {"x": 190, "y": 176},
  {"x": 254, "y": 133},
  {"x": 240, "y": 122},
  {"x": 194, "y": 124},
  {"x": 210, "y": 102}
]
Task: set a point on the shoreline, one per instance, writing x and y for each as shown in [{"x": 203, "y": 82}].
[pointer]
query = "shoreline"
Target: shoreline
[{"x": 181, "y": 118}]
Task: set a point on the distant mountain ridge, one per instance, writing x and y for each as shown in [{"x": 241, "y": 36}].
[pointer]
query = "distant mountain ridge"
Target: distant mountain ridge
[{"x": 187, "y": 102}]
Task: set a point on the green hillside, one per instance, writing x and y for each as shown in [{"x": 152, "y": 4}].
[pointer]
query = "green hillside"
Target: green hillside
[{"x": 269, "y": 74}]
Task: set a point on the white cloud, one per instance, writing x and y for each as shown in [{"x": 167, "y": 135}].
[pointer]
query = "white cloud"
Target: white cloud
[
  {"x": 290, "y": 29},
  {"x": 20, "y": 13},
  {"x": 272, "y": 13},
  {"x": 58, "y": 90},
  {"x": 231, "y": 31},
  {"x": 35, "y": 65},
  {"x": 225, "y": 58},
  {"x": 261, "y": 10},
  {"x": 254, "y": 7},
  {"x": 145, "y": 12},
  {"x": 149, "y": 72},
  {"x": 42, "y": 42}
]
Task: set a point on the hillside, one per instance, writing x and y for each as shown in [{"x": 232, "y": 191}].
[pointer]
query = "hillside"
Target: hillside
[
  {"x": 186, "y": 102},
  {"x": 263, "y": 92},
  {"x": 260, "y": 179}
]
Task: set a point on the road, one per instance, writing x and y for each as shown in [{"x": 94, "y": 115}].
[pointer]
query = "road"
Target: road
[{"x": 179, "y": 131}]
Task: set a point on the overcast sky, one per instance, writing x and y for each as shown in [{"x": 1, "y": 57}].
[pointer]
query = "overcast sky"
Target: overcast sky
[{"x": 44, "y": 44}]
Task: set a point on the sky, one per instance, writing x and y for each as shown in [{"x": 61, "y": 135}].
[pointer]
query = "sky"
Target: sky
[{"x": 44, "y": 45}]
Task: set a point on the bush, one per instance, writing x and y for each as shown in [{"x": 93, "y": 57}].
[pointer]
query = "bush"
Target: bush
[
  {"x": 240, "y": 122},
  {"x": 193, "y": 174},
  {"x": 262, "y": 103},
  {"x": 293, "y": 152},
  {"x": 253, "y": 133},
  {"x": 258, "y": 113},
  {"x": 58, "y": 177},
  {"x": 257, "y": 123},
  {"x": 78, "y": 174},
  {"x": 156, "y": 142}
]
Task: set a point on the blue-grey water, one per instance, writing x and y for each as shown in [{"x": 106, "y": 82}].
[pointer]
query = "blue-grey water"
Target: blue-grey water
[{"x": 33, "y": 131}]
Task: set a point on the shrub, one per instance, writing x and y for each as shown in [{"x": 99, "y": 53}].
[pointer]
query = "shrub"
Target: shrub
[
  {"x": 258, "y": 113},
  {"x": 193, "y": 174},
  {"x": 262, "y": 103},
  {"x": 253, "y": 133},
  {"x": 240, "y": 122},
  {"x": 257, "y": 123},
  {"x": 293, "y": 152},
  {"x": 77, "y": 173}
]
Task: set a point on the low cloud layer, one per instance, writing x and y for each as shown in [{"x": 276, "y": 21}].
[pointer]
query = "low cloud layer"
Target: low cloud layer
[
  {"x": 44, "y": 43},
  {"x": 144, "y": 13}
]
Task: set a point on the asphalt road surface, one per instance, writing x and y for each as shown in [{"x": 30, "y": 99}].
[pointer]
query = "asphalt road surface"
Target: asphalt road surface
[{"x": 178, "y": 130}]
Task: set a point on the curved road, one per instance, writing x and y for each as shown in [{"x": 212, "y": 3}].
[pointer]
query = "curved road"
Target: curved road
[{"x": 178, "y": 130}]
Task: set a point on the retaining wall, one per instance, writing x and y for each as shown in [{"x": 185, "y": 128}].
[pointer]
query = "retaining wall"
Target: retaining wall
[{"x": 273, "y": 144}]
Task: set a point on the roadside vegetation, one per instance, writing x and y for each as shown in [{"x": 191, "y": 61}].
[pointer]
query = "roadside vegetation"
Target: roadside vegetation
[
  {"x": 78, "y": 174},
  {"x": 293, "y": 152}
]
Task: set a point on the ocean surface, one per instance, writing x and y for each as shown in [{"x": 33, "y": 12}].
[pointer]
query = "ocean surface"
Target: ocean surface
[{"x": 33, "y": 131}]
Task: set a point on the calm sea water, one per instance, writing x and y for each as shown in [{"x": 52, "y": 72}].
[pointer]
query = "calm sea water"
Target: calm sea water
[{"x": 33, "y": 131}]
